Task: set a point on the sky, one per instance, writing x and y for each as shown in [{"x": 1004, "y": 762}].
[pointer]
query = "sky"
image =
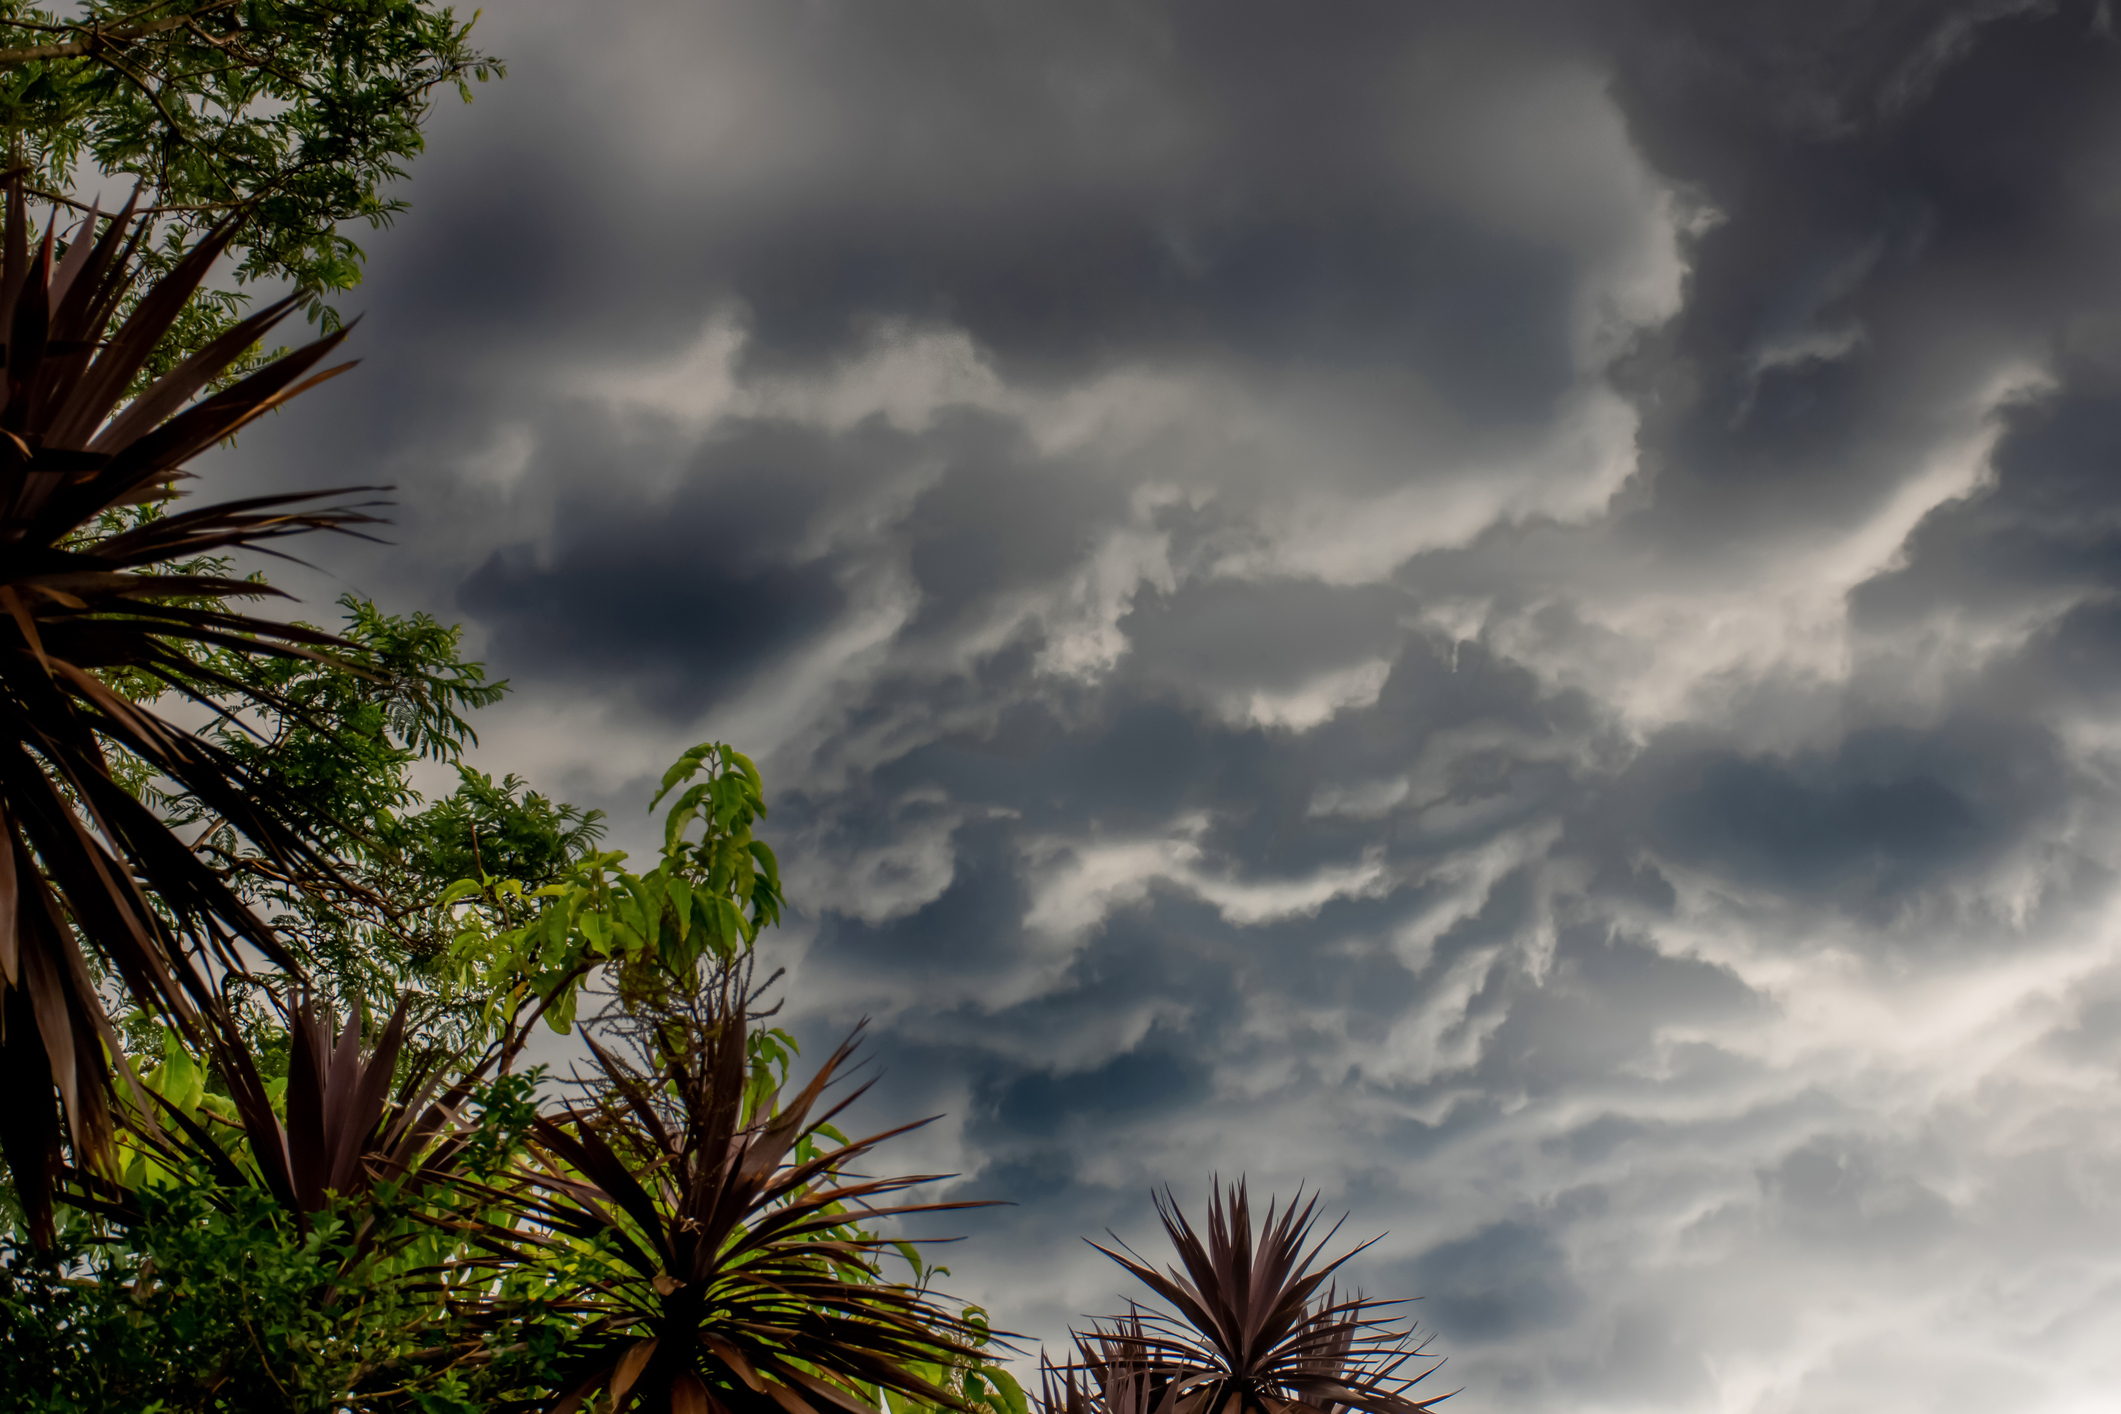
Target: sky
[{"x": 1508, "y": 612}]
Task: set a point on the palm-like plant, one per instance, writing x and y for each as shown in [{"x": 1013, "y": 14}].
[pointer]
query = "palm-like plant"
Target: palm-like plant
[
  {"x": 738, "y": 1281},
  {"x": 92, "y": 882},
  {"x": 1252, "y": 1333},
  {"x": 344, "y": 1129}
]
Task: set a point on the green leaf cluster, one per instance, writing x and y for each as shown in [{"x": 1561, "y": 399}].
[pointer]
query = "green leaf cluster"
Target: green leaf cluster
[{"x": 701, "y": 905}]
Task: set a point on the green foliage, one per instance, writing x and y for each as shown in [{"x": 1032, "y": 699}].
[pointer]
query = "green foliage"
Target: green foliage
[
  {"x": 393, "y": 939},
  {"x": 520, "y": 943},
  {"x": 215, "y": 1297},
  {"x": 487, "y": 828},
  {"x": 338, "y": 736},
  {"x": 976, "y": 1381},
  {"x": 298, "y": 111},
  {"x": 202, "y": 1309}
]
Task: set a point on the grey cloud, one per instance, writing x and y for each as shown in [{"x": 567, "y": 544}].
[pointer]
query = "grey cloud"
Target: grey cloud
[
  {"x": 2039, "y": 530},
  {"x": 1211, "y": 195},
  {"x": 1891, "y": 809},
  {"x": 999, "y": 519},
  {"x": 1600, "y": 1007},
  {"x": 1834, "y": 1189},
  {"x": 1247, "y": 634},
  {"x": 1945, "y": 224},
  {"x": 681, "y": 594},
  {"x": 1356, "y": 288},
  {"x": 723, "y": 623},
  {"x": 963, "y": 929},
  {"x": 2094, "y": 1031},
  {"x": 1509, "y": 1279},
  {"x": 1151, "y": 1078}
]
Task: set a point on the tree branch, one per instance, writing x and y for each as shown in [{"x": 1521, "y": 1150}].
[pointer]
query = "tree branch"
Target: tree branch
[{"x": 97, "y": 40}]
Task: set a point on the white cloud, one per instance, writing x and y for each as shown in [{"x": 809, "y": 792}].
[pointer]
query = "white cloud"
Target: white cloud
[{"x": 1304, "y": 707}]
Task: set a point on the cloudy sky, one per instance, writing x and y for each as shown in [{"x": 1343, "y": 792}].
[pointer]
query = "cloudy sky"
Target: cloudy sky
[{"x": 1508, "y": 610}]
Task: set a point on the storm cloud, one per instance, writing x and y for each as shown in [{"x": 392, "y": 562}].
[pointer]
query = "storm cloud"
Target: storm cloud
[{"x": 1506, "y": 611}]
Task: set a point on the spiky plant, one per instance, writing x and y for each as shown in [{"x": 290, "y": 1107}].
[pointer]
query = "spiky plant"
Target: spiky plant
[
  {"x": 737, "y": 1279},
  {"x": 344, "y": 1129},
  {"x": 1249, "y": 1330},
  {"x": 93, "y": 884}
]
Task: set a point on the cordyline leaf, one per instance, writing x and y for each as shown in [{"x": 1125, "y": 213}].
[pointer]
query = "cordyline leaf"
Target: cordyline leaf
[
  {"x": 86, "y": 870},
  {"x": 1248, "y": 1337},
  {"x": 740, "y": 1285}
]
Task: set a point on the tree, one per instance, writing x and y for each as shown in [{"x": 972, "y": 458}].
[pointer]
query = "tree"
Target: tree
[{"x": 293, "y": 114}]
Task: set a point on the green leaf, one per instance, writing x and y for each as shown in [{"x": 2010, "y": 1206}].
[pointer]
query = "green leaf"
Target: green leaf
[
  {"x": 1013, "y": 1397},
  {"x": 460, "y": 890},
  {"x": 683, "y": 769}
]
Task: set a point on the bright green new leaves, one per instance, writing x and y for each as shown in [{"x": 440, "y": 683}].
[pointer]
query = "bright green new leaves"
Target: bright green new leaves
[
  {"x": 704, "y": 902},
  {"x": 179, "y": 1083},
  {"x": 738, "y": 870},
  {"x": 976, "y": 1382}
]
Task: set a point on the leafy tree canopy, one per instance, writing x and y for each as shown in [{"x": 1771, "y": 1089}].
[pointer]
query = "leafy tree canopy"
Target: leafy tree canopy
[
  {"x": 297, "y": 112},
  {"x": 337, "y": 738}
]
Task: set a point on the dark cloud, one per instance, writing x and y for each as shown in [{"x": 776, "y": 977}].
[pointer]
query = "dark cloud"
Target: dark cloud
[
  {"x": 1905, "y": 191},
  {"x": 1123, "y": 1087},
  {"x": 964, "y": 929},
  {"x": 997, "y": 521},
  {"x": 1356, "y": 288},
  {"x": 1508, "y": 1279},
  {"x": 2043, "y": 530},
  {"x": 689, "y": 593},
  {"x": 1890, "y": 810}
]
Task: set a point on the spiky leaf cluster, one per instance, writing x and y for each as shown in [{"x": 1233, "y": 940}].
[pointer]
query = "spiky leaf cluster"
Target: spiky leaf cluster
[
  {"x": 93, "y": 882},
  {"x": 1254, "y": 1326}
]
